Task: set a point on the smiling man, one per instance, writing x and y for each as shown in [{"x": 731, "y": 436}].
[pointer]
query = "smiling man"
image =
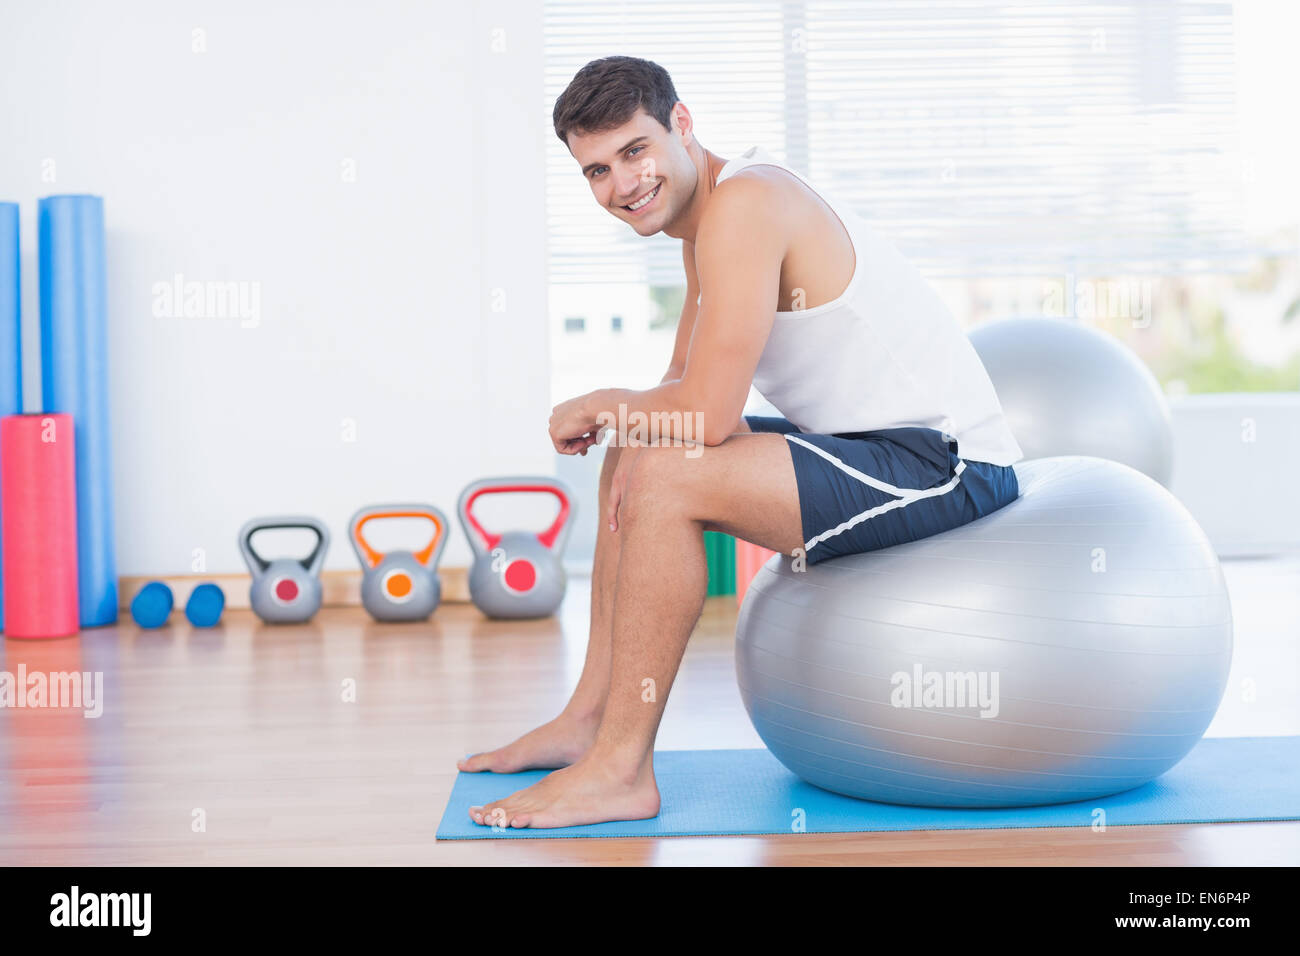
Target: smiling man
[{"x": 891, "y": 430}]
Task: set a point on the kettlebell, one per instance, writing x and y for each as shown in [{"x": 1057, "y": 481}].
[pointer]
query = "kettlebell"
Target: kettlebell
[
  {"x": 517, "y": 574},
  {"x": 399, "y": 585},
  {"x": 285, "y": 590}
]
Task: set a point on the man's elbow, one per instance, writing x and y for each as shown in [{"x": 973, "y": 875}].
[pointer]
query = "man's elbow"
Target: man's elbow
[
  {"x": 715, "y": 429},
  {"x": 715, "y": 417}
]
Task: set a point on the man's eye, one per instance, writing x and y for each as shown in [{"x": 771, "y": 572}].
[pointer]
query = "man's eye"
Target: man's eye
[{"x": 634, "y": 150}]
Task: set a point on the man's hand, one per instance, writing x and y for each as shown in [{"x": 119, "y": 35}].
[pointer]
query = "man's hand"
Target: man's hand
[{"x": 573, "y": 425}]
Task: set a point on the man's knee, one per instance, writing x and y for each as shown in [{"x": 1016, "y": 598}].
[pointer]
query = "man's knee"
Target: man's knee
[{"x": 658, "y": 482}]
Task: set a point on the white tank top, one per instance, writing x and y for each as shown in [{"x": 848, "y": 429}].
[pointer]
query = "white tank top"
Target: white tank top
[{"x": 886, "y": 354}]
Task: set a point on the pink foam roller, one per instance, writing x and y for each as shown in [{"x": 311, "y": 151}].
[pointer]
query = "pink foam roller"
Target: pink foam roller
[{"x": 38, "y": 498}]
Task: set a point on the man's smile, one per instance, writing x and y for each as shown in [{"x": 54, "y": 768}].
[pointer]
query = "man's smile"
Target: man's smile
[{"x": 641, "y": 202}]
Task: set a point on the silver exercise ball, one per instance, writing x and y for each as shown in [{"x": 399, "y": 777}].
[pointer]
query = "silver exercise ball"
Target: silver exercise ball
[
  {"x": 1092, "y": 610},
  {"x": 1068, "y": 389}
]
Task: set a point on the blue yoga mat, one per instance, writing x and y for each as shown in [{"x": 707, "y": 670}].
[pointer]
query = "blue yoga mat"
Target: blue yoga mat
[
  {"x": 11, "y": 369},
  {"x": 734, "y": 792},
  {"x": 74, "y": 367}
]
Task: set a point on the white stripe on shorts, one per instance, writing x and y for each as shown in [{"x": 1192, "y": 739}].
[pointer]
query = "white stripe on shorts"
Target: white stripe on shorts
[{"x": 905, "y": 495}]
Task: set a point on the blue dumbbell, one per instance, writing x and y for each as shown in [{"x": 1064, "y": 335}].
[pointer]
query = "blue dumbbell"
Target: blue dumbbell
[
  {"x": 151, "y": 607},
  {"x": 205, "y": 605}
]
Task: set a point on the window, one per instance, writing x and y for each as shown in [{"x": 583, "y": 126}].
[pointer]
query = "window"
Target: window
[
  {"x": 575, "y": 324},
  {"x": 1010, "y": 151}
]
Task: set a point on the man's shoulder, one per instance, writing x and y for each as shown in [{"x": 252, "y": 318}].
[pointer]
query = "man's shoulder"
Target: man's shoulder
[
  {"x": 757, "y": 179},
  {"x": 753, "y": 196}
]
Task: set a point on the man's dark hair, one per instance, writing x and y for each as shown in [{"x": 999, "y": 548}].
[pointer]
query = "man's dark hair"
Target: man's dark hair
[{"x": 606, "y": 93}]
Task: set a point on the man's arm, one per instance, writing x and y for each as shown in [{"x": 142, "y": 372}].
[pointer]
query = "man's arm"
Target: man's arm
[
  {"x": 738, "y": 253},
  {"x": 686, "y": 322}
]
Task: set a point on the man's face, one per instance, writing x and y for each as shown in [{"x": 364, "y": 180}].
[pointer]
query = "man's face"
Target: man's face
[{"x": 640, "y": 171}]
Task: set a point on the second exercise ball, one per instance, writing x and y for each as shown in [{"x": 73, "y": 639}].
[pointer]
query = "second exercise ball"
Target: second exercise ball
[{"x": 1069, "y": 389}]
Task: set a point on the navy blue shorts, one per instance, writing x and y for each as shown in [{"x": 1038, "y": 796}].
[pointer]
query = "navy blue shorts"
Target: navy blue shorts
[{"x": 861, "y": 491}]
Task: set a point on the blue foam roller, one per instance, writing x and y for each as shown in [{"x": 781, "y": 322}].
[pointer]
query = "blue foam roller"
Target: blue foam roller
[
  {"x": 205, "y": 605},
  {"x": 151, "y": 607},
  {"x": 11, "y": 369},
  {"x": 74, "y": 366}
]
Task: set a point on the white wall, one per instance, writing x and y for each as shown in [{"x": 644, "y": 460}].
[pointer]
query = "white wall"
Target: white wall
[
  {"x": 379, "y": 297},
  {"x": 1236, "y": 462}
]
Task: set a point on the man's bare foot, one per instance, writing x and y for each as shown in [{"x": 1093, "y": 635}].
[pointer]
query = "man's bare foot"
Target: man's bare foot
[
  {"x": 557, "y": 743},
  {"x": 587, "y": 792}
]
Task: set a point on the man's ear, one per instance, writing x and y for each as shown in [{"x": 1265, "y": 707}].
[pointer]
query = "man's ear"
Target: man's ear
[{"x": 682, "y": 118}]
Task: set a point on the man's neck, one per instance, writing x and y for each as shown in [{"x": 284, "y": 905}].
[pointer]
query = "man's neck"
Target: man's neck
[{"x": 707, "y": 167}]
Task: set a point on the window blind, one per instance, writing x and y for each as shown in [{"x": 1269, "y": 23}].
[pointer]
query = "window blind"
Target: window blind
[{"x": 982, "y": 138}]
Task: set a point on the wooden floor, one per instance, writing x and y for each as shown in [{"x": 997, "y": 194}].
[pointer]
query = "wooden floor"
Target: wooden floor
[{"x": 247, "y": 724}]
